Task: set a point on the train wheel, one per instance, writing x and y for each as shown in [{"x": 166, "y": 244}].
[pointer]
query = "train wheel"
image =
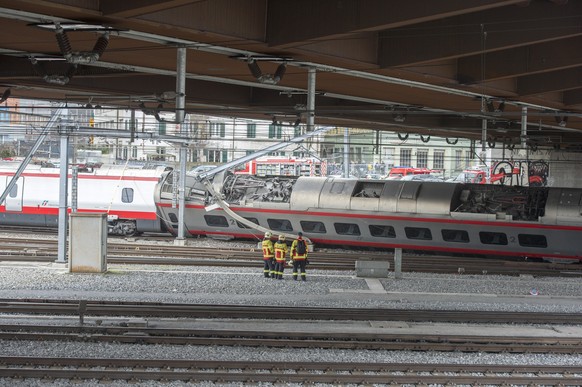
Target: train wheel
[{"x": 129, "y": 229}]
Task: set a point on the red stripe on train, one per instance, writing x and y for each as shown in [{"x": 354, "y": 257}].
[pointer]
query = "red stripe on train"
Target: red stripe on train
[
  {"x": 393, "y": 217},
  {"x": 54, "y": 211},
  {"x": 89, "y": 177},
  {"x": 402, "y": 246}
]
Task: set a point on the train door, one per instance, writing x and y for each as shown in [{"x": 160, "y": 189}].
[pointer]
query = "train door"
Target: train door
[{"x": 14, "y": 198}]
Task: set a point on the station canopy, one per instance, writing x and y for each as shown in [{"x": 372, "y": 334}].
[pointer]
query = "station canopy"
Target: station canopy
[{"x": 428, "y": 67}]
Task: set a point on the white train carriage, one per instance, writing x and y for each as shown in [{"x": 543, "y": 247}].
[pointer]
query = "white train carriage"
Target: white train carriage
[
  {"x": 125, "y": 195},
  {"x": 477, "y": 219}
]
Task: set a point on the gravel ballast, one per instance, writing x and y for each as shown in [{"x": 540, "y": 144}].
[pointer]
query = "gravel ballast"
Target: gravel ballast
[{"x": 247, "y": 286}]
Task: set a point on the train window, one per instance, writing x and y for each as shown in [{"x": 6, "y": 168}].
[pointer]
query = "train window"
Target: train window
[
  {"x": 530, "y": 240},
  {"x": 254, "y": 220},
  {"x": 418, "y": 233},
  {"x": 216, "y": 220},
  {"x": 347, "y": 229},
  {"x": 14, "y": 191},
  {"x": 313, "y": 227},
  {"x": 127, "y": 195},
  {"x": 493, "y": 238},
  {"x": 173, "y": 217},
  {"x": 169, "y": 184},
  {"x": 280, "y": 225},
  {"x": 460, "y": 236},
  {"x": 337, "y": 188},
  {"x": 382, "y": 231}
]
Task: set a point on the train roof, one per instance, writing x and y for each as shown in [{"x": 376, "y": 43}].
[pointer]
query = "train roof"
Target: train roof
[{"x": 105, "y": 170}]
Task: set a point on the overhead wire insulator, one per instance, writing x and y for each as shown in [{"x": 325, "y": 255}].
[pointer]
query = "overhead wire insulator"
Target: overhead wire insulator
[
  {"x": 63, "y": 41},
  {"x": 280, "y": 72},
  {"x": 255, "y": 69},
  {"x": 101, "y": 44}
]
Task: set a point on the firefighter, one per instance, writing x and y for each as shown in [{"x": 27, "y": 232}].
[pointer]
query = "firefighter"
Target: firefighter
[
  {"x": 280, "y": 253},
  {"x": 299, "y": 257},
  {"x": 268, "y": 255}
]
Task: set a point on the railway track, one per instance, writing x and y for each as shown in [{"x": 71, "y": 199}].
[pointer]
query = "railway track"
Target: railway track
[
  {"x": 35, "y": 249},
  {"x": 147, "y": 332},
  {"x": 248, "y": 372},
  {"x": 175, "y": 310}
]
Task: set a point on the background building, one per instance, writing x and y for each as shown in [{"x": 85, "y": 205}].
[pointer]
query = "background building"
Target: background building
[{"x": 217, "y": 140}]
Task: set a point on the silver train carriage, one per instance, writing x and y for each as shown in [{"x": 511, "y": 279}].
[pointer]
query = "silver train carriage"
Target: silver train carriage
[{"x": 536, "y": 222}]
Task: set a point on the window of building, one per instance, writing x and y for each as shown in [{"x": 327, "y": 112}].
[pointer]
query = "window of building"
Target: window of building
[
  {"x": 218, "y": 129},
  {"x": 358, "y": 155},
  {"x": 406, "y": 156},
  {"x": 313, "y": 227},
  {"x": 382, "y": 231},
  {"x": 458, "y": 159},
  {"x": 347, "y": 229},
  {"x": 420, "y": 233},
  {"x": 297, "y": 131},
  {"x": 422, "y": 158},
  {"x": 251, "y": 130},
  {"x": 388, "y": 156},
  {"x": 531, "y": 240},
  {"x": 467, "y": 158},
  {"x": 275, "y": 131},
  {"x": 460, "y": 236},
  {"x": 493, "y": 238},
  {"x": 216, "y": 220},
  {"x": 161, "y": 127},
  {"x": 213, "y": 155},
  {"x": 193, "y": 155},
  {"x": 127, "y": 195},
  {"x": 438, "y": 161},
  {"x": 280, "y": 225}
]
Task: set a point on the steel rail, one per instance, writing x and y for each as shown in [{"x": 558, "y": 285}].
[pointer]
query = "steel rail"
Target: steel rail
[
  {"x": 284, "y": 372},
  {"x": 298, "y": 339},
  {"x": 179, "y": 310}
]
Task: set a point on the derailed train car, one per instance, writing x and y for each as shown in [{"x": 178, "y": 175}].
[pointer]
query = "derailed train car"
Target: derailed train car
[{"x": 481, "y": 219}]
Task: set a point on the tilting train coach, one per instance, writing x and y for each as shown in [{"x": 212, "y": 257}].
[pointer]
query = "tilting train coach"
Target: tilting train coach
[
  {"x": 480, "y": 219},
  {"x": 125, "y": 195}
]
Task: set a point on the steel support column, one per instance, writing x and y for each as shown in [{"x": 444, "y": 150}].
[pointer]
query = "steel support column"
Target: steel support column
[
  {"x": 63, "y": 215},
  {"x": 311, "y": 99},
  {"x": 180, "y": 114},
  {"x": 346, "y": 153},
  {"x": 523, "y": 127}
]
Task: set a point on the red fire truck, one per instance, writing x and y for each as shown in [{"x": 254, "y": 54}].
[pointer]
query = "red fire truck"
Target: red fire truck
[
  {"x": 397, "y": 173},
  {"x": 284, "y": 166}
]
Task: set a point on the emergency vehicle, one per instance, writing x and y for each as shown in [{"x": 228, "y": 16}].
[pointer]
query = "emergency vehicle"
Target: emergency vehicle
[
  {"x": 284, "y": 166},
  {"x": 397, "y": 173}
]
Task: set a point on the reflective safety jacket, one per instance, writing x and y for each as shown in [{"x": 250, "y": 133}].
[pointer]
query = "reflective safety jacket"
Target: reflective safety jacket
[
  {"x": 294, "y": 254},
  {"x": 280, "y": 250},
  {"x": 268, "y": 249}
]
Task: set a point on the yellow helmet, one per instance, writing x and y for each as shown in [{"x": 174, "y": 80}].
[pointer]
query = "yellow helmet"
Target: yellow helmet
[{"x": 281, "y": 237}]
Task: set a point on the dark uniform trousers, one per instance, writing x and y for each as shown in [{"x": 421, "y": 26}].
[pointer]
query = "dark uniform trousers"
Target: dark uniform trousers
[{"x": 299, "y": 265}]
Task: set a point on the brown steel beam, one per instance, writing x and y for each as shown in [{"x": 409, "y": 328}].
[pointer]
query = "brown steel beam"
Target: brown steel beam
[
  {"x": 470, "y": 34},
  {"x": 537, "y": 58},
  {"x": 561, "y": 80},
  {"x": 295, "y": 23},
  {"x": 572, "y": 97},
  {"x": 134, "y": 8}
]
